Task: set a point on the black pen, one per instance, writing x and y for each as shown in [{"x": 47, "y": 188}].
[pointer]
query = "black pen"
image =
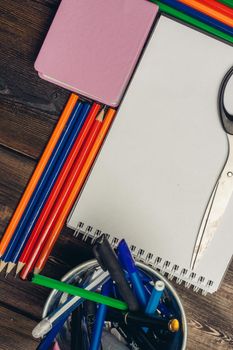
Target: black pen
[
  {"x": 107, "y": 259},
  {"x": 141, "y": 339},
  {"x": 126, "y": 335},
  {"x": 136, "y": 319},
  {"x": 76, "y": 329},
  {"x": 90, "y": 309}
]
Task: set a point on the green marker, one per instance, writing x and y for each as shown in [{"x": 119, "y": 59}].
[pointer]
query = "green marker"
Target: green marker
[
  {"x": 83, "y": 293},
  {"x": 192, "y": 21}
]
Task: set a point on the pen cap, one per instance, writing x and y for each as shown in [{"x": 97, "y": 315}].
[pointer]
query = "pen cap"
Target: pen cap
[
  {"x": 159, "y": 286},
  {"x": 98, "y": 257},
  {"x": 125, "y": 257}
]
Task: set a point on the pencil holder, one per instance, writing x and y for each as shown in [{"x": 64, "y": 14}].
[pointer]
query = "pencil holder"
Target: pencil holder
[{"x": 90, "y": 267}]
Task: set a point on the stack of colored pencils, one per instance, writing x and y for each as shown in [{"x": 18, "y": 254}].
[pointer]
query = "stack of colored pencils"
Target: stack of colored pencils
[
  {"x": 54, "y": 186},
  {"x": 211, "y": 16}
]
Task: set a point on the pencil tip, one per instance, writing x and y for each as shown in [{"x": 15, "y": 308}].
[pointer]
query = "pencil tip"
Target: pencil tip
[
  {"x": 101, "y": 114},
  {"x": 9, "y": 268},
  {"x": 36, "y": 271},
  {"x": 2, "y": 265},
  {"x": 19, "y": 267}
]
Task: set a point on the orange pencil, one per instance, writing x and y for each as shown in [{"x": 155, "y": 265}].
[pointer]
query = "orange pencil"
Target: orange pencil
[
  {"x": 64, "y": 192},
  {"x": 219, "y": 7},
  {"x": 39, "y": 228},
  {"x": 209, "y": 11},
  {"x": 76, "y": 190},
  {"x": 37, "y": 173}
]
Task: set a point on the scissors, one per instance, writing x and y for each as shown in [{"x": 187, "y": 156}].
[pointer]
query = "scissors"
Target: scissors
[{"x": 223, "y": 188}]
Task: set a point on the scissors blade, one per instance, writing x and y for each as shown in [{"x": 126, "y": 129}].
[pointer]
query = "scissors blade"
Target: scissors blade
[{"x": 215, "y": 209}]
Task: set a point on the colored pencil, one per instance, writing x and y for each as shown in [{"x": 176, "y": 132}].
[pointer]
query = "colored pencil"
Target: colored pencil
[
  {"x": 228, "y": 3},
  {"x": 78, "y": 185},
  {"x": 199, "y": 16},
  {"x": 37, "y": 173},
  {"x": 192, "y": 21},
  {"x": 39, "y": 190},
  {"x": 63, "y": 311},
  {"x": 64, "y": 193},
  {"x": 219, "y": 7},
  {"x": 80, "y": 292},
  {"x": 209, "y": 11},
  {"x": 28, "y": 250},
  {"x": 46, "y": 183}
]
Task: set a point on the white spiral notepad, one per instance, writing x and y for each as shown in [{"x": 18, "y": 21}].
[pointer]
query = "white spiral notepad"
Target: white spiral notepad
[{"x": 155, "y": 173}]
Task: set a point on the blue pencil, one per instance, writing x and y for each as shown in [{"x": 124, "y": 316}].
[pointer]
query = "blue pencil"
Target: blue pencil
[
  {"x": 200, "y": 16},
  {"x": 73, "y": 127},
  {"x": 45, "y": 185}
]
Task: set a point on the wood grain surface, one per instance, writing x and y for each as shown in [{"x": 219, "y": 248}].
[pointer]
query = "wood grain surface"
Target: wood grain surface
[{"x": 29, "y": 109}]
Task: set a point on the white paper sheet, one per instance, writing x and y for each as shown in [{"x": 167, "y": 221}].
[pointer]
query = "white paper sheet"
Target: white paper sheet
[{"x": 155, "y": 173}]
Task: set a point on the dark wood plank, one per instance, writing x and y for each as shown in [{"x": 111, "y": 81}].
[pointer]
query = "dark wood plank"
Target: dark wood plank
[
  {"x": 29, "y": 106},
  {"x": 24, "y": 130},
  {"x": 15, "y": 170},
  {"x": 15, "y": 331},
  {"x": 210, "y": 320}
]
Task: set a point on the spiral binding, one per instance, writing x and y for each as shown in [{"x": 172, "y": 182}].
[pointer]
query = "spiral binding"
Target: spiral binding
[{"x": 165, "y": 267}]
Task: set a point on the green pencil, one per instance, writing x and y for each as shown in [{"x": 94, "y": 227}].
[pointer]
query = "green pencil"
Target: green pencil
[
  {"x": 227, "y": 2},
  {"x": 70, "y": 289},
  {"x": 192, "y": 21}
]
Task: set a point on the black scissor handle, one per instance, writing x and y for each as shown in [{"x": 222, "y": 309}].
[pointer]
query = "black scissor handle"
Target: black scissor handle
[{"x": 226, "y": 117}]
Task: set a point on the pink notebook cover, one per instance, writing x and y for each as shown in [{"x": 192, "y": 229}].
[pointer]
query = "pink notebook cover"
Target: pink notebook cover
[{"x": 92, "y": 46}]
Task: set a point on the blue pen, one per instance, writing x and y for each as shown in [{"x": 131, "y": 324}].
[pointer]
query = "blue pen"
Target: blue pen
[
  {"x": 200, "y": 16},
  {"x": 46, "y": 183},
  {"x": 155, "y": 297},
  {"x": 128, "y": 264},
  {"x": 163, "y": 309},
  {"x": 48, "y": 340},
  {"x": 100, "y": 318},
  {"x": 56, "y": 329}
]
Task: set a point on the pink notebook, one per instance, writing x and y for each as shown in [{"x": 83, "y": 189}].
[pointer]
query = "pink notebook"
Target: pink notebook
[{"x": 92, "y": 46}]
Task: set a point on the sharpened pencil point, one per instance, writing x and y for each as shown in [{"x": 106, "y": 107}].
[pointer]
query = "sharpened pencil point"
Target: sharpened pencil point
[
  {"x": 36, "y": 271},
  {"x": 9, "y": 268},
  {"x": 101, "y": 114},
  {"x": 2, "y": 265},
  {"x": 19, "y": 267}
]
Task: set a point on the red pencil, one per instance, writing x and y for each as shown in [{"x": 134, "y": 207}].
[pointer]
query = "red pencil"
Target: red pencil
[
  {"x": 219, "y": 7},
  {"x": 64, "y": 194},
  {"x": 57, "y": 187}
]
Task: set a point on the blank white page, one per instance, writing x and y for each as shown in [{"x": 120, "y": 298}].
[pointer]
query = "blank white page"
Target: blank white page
[{"x": 166, "y": 148}]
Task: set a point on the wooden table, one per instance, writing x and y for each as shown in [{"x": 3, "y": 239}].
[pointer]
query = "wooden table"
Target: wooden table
[{"x": 29, "y": 110}]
